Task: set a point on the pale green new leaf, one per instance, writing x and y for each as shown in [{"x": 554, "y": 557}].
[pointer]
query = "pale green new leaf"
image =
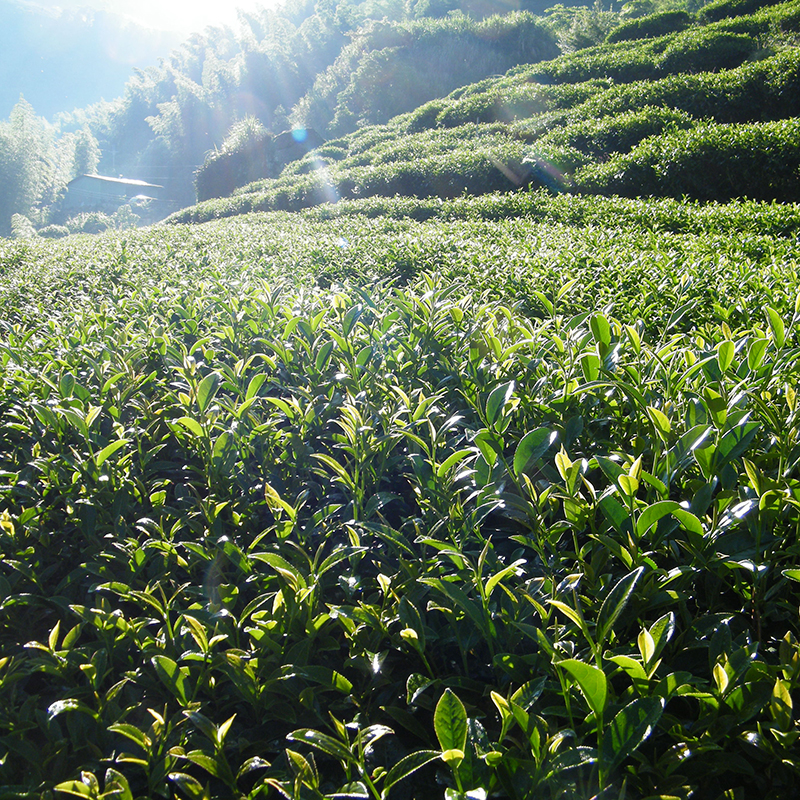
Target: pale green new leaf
[{"x": 450, "y": 722}]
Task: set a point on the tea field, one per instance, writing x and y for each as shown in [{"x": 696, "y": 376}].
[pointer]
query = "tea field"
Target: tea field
[{"x": 489, "y": 497}]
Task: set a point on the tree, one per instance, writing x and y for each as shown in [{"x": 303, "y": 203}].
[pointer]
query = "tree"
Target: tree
[
  {"x": 86, "y": 155},
  {"x": 27, "y": 163}
]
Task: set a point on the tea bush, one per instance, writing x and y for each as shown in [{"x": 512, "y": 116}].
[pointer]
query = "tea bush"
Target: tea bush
[
  {"x": 766, "y": 89},
  {"x": 707, "y": 162},
  {"x": 623, "y": 63},
  {"x": 382, "y": 161},
  {"x": 718, "y": 10},
  {"x": 53, "y": 231},
  {"x": 518, "y": 97},
  {"x": 326, "y": 504},
  {"x": 650, "y": 26},
  {"x": 706, "y": 50},
  {"x": 89, "y": 222},
  {"x": 618, "y": 133}
]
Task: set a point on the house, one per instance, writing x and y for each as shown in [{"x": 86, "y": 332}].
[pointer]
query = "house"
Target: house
[{"x": 101, "y": 193}]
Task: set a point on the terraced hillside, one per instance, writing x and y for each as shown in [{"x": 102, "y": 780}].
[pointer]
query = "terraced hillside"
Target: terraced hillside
[{"x": 708, "y": 112}]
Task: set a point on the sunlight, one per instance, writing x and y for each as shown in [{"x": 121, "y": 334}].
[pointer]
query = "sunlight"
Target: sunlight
[
  {"x": 188, "y": 16},
  {"x": 181, "y": 16}
]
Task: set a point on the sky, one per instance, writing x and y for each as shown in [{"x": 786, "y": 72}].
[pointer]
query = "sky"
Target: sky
[{"x": 182, "y": 16}]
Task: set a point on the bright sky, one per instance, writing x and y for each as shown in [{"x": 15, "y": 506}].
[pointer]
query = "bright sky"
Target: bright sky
[{"x": 182, "y": 16}]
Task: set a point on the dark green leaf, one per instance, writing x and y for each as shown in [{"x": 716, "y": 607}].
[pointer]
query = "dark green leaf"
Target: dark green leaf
[
  {"x": 496, "y": 402},
  {"x": 191, "y": 786},
  {"x": 405, "y": 766},
  {"x": 629, "y": 728},
  {"x": 62, "y": 706},
  {"x": 327, "y": 744},
  {"x": 172, "y": 676},
  {"x": 531, "y": 448},
  {"x": 615, "y": 602}
]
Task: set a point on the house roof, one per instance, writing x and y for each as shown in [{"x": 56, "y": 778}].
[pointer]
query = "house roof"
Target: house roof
[{"x": 122, "y": 183}]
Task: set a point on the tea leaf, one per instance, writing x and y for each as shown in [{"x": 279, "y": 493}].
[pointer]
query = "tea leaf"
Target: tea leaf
[
  {"x": 75, "y": 788},
  {"x": 256, "y": 382},
  {"x": 321, "y": 741},
  {"x": 116, "y": 785},
  {"x": 531, "y": 448},
  {"x": 207, "y": 390},
  {"x": 190, "y": 785},
  {"x": 601, "y": 330},
  {"x": 172, "y": 676},
  {"x": 450, "y": 723},
  {"x": 452, "y": 460},
  {"x": 496, "y": 402},
  {"x": 109, "y": 450},
  {"x": 629, "y": 728},
  {"x": 452, "y": 758},
  {"x": 192, "y": 425},
  {"x": 492, "y": 582},
  {"x": 776, "y": 326},
  {"x": 406, "y": 766},
  {"x": 755, "y": 353},
  {"x": 615, "y": 602},
  {"x": 725, "y": 353},
  {"x": 63, "y": 706},
  {"x": 591, "y": 681},
  {"x": 132, "y": 733},
  {"x": 660, "y": 422}
]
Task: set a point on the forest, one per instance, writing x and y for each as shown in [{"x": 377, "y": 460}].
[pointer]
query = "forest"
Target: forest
[{"x": 437, "y": 438}]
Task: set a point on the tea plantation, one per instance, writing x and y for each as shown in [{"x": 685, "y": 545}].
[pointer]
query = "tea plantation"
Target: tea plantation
[{"x": 425, "y": 493}]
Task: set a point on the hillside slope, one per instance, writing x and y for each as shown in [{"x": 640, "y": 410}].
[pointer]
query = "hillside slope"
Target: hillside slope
[
  {"x": 442, "y": 495},
  {"x": 708, "y": 112}
]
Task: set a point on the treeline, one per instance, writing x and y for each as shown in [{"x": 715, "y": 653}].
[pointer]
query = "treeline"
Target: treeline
[
  {"x": 329, "y": 66},
  {"x": 36, "y": 163}
]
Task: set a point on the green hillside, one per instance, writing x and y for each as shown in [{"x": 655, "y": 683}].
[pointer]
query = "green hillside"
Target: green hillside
[
  {"x": 459, "y": 460},
  {"x": 708, "y": 112}
]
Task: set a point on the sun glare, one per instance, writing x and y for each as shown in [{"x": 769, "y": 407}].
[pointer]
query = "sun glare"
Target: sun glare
[
  {"x": 189, "y": 16},
  {"x": 181, "y": 16}
]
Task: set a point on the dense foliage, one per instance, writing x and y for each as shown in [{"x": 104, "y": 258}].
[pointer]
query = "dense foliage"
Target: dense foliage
[
  {"x": 340, "y": 504},
  {"x": 427, "y": 482},
  {"x": 657, "y": 24},
  {"x": 389, "y": 70},
  {"x": 35, "y": 165}
]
